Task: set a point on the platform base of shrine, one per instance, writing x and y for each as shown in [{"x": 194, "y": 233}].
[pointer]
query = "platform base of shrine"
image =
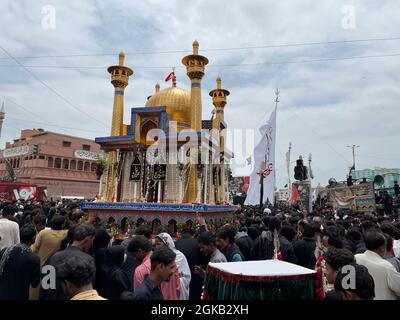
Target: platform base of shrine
[{"x": 181, "y": 213}]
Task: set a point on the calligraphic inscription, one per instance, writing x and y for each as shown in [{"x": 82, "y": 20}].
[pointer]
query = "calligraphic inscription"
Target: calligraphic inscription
[
  {"x": 87, "y": 155},
  {"x": 160, "y": 172},
  {"x": 17, "y": 151}
]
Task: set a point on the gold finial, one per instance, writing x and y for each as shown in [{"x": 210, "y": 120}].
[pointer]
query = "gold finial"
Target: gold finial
[
  {"x": 121, "y": 58},
  {"x": 195, "y": 47},
  {"x": 219, "y": 82},
  {"x": 157, "y": 87}
]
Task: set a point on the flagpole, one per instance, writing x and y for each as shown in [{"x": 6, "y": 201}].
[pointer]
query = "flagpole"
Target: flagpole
[
  {"x": 262, "y": 168},
  {"x": 310, "y": 179},
  {"x": 277, "y": 92},
  {"x": 261, "y": 191},
  {"x": 288, "y": 169}
]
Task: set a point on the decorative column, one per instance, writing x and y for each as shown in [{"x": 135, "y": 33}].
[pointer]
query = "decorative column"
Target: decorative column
[
  {"x": 119, "y": 78},
  {"x": 219, "y": 97},
  {"x": 195, "y": 65}
]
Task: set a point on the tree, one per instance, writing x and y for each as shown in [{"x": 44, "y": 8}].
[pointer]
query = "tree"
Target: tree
[{"x": 101, "y": 164}]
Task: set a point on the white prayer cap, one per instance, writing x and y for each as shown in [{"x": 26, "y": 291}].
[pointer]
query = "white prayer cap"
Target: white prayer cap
[{"x": 267, "y": 210}]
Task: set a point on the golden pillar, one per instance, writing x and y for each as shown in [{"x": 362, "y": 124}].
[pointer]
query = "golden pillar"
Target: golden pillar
[
  {"x": 195, "y": 65},
  {"x": 119, "y": 78},
  {"x": 219, "y": 97},
  {"x": 219, "y": 101}
]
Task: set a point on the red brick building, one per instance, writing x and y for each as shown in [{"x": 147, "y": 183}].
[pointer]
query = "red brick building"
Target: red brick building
[{"x": 66, "y": 165}]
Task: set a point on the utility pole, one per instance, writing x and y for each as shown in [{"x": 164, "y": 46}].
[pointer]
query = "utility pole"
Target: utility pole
[
  {"x": 310, "y": 179},
  {"x": 2, "y": 116},
  {"x": 354, "y": 158}
]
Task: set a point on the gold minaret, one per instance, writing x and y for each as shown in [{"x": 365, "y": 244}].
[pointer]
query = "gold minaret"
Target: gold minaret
[
  {"x": 195, "y": 64},
  {"x": 195, "y": 70},
  {"x": 119, "y": 78},
  {"x": 219, "y": 101}
]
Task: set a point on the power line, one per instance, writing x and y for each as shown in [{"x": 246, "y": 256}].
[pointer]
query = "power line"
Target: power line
[
  {"x": 37, "y": 116},
  {"x": 318, "y": 135},
  {"x": 27, "y": 110},
  {"x": 48, "y": 87},
  {"x": 268, "y": 111},
  {"x": 308, "y": 61},
  {"x": 288, "y": 45},
  {"x": 217, "y": 65},
  {"x": 55, "y": 67},
  {"x": 11, "y": 126},
  {"x": 368, "y": 156},
  {"x": 20, "y": 106},
  {"x": 55, "y": 125},
  {"x": 324, "y": 172},
  {"x": 318, "y": 170}
]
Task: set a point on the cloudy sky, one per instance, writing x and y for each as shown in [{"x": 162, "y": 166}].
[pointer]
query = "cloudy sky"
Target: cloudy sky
[{"x": 324, "y": 106}]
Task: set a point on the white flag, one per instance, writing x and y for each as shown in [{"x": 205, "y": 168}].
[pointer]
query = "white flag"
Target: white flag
[{"x": 264, "y": 163}]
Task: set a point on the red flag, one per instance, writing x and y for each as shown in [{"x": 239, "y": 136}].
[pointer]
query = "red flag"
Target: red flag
[
  {"x": 295, "y": 194},
  {"x": 246, "y": 184},
  {"x": 170, "y": 76}
]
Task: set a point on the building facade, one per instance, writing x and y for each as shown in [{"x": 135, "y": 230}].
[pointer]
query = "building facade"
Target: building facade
[
  {"x": 389, "y": 177},
  {"x": 65, "y": 165}
]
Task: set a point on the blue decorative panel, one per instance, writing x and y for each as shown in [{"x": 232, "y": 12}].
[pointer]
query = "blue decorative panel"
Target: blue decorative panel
[
  {"x": 158, "y": 207},
  {"x": 141, "y": 110},
  {"x": 134, "y": 112},
  {"x": 113, "y": 139}
]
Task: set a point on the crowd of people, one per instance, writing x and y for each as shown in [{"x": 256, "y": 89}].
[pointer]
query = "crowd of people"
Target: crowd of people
[{"x": 52, "y": 251}]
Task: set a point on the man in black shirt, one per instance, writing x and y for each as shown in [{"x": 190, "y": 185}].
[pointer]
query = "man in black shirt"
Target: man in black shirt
[
  {"x": 19, "y": 267},
  {"x": 305, "y": 248},
  {"x": 162, "y": 263},
  {"x": 189, "y": 247}
]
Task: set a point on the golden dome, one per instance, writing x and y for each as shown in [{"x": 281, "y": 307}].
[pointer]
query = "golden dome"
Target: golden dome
[{"x": 176, "y": 100}]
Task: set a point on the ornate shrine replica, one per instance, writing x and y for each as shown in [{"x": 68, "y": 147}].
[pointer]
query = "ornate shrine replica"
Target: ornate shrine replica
[{"x": 167, "y": 165}]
